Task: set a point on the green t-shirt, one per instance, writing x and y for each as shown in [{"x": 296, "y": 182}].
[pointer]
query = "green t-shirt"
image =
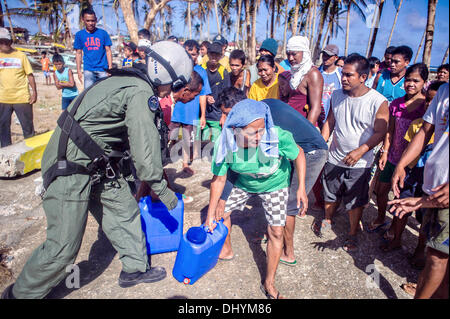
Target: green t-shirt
[{"x": 257, "y": 172}]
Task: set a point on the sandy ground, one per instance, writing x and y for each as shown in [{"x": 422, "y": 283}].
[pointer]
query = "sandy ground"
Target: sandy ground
[{"x": 324, "y": 270}]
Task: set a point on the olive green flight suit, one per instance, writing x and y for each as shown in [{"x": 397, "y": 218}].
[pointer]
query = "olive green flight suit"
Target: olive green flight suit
[{"x": 114, "y": 113}]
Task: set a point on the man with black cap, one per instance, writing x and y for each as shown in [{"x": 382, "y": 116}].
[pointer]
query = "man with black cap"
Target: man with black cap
[
  {"x": 219, "y": 79},
  {"x": 224, "y": 60}
]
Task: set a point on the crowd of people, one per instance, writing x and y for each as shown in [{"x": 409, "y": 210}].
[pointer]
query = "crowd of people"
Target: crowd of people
[{"x": 280, "y": 129}]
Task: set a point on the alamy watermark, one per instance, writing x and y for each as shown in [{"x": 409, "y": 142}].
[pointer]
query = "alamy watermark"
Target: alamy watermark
[
  {"x": 73, "y": 279},
  {"x": 373, "y": 278}
]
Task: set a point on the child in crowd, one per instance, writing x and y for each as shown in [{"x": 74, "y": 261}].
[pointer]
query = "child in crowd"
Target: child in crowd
[
  {"x": 64, "y": 81},
  {"x": 374, "y": 67},
  {"x": 128, "y": 50},
  {"x": 266, "y": 87},
  {"x": 240, "y": 76},
  {"x": 403, "y": 111},
  {"x": 45, "y": 62},
  {"x": 386, "y": 64},
  {"x": 191, "y": 116},
  {"x": 219, "y": 79}
]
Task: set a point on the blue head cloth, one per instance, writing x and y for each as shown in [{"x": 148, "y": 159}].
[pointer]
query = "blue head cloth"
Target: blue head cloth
[{"x": 241, "y": 115}]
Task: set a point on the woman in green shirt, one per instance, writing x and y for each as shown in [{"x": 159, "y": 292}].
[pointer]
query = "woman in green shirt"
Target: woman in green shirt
[{"x": 259, "y": 153}]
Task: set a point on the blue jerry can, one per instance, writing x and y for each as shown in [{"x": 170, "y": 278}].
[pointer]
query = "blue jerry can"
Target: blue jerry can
[
  {"x": 198, "y": 253},
  {"x": 163, "y": 229}
]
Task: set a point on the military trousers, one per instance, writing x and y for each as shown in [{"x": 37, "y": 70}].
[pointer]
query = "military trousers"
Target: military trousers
[{"x": 66, "y": 205}]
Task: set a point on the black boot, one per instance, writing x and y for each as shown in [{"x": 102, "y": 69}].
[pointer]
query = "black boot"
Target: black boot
[
  {"x": 7, "y": 293},
  {"x": 151, "y": 275}
]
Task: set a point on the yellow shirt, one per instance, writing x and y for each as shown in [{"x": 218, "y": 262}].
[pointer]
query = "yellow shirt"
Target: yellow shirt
[
  {"x": 14, "y": 68},
  {"x": 414, "y": 127},
  {"x": 225, "y": 61},
  {"x": 259, "y": 91}
]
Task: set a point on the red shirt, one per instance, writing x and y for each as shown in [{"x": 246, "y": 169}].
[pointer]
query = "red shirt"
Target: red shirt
[
  {"x": 166, "y": 104},
  {"x": 45, "y": 64}
]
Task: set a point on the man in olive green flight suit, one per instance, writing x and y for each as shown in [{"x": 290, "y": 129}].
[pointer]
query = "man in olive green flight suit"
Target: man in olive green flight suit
[{"x": 115, "y": 112}]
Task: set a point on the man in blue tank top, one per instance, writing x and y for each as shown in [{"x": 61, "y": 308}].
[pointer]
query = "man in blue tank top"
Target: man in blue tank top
[{"x": 390, "y": 83}]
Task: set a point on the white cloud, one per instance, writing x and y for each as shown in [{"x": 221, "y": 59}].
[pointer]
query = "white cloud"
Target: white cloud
[{"x": 415, "y": 20}]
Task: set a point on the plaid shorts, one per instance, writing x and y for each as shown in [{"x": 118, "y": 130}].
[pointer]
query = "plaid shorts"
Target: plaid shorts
[{"x": 274, "y": 204}]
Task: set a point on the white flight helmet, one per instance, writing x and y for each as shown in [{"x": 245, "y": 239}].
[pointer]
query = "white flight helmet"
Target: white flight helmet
[{"x": 169, "y": 63}]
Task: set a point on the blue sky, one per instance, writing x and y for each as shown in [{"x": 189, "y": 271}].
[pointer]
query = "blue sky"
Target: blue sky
[{"x": 410, "y": 26}]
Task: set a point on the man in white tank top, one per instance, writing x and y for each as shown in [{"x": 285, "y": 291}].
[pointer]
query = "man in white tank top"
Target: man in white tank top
[{"x": 358, "y": 120}]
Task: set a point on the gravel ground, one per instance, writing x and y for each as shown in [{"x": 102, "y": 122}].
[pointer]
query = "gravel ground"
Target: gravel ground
[{"x": 323, "y": 271}]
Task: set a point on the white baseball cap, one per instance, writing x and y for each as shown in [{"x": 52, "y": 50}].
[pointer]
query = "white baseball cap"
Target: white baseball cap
[{"x": 4, "y": 34}]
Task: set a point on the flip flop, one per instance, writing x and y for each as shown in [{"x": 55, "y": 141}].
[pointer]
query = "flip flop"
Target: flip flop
[
  {"x": 287, "y": 263},
  {"x": 409, "y": 288},
  {"x": 319, "y": 229},
  {"x": 372, "y": 228},
  {"x": 187, "y": 199},
  {"x": 267, "y": 294},
  {"x": 226, "y": 259},
  {"x": 301, "y": 216}
]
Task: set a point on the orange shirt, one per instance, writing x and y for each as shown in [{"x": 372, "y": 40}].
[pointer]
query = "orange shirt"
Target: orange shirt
[{"x": 45, "y": 64}]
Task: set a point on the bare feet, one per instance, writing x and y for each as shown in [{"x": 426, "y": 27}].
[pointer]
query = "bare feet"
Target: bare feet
[
  {"x": 409, "y": 288},
  {"x": 226, "y": 253}
]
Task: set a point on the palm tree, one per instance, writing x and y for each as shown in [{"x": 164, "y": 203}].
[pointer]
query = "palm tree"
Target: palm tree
[
  {"x": 155, "y": 8},
  {"x": 225, "y": 10},
  {"x": 188, "y": 18},
  {"x": 308, "y": 19},
  {"x": 166, "y": 20},
  {"x": 349, "y": 4},
  {"x": 201, "y": 13},
  {"x": 296, "y": 14},
  {"x": 430, "y": 31},
  {"x": 375, "y": 30},
  {"x": 8, "y": 15},
  {"x": 297, "y": 19},
  {"x": 217, "y": 16},
  {"x": 247, "y": 26},
  {"x": 395, "y": 21},
  {"x": 238, "y": 22},
  {"x": 254, "y": 4},
  {"x": 420, "y": 45},
  {"x": 445, "y": 56},
  {"x": 129, "y": 18},
  {"x": 323, "y": 15},
  {"x": 333, "y": 21},
  {"x": 2, "y": 23},
  {"x": 286, "y": 16},
  {"x": 313, "y": 24}
]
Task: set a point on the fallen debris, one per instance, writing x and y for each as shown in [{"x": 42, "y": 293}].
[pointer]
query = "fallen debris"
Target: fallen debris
[{"x": 21, "y": 158}]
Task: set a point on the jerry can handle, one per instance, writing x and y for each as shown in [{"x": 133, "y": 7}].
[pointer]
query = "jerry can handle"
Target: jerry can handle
[{"x": 205, "y": 228}]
